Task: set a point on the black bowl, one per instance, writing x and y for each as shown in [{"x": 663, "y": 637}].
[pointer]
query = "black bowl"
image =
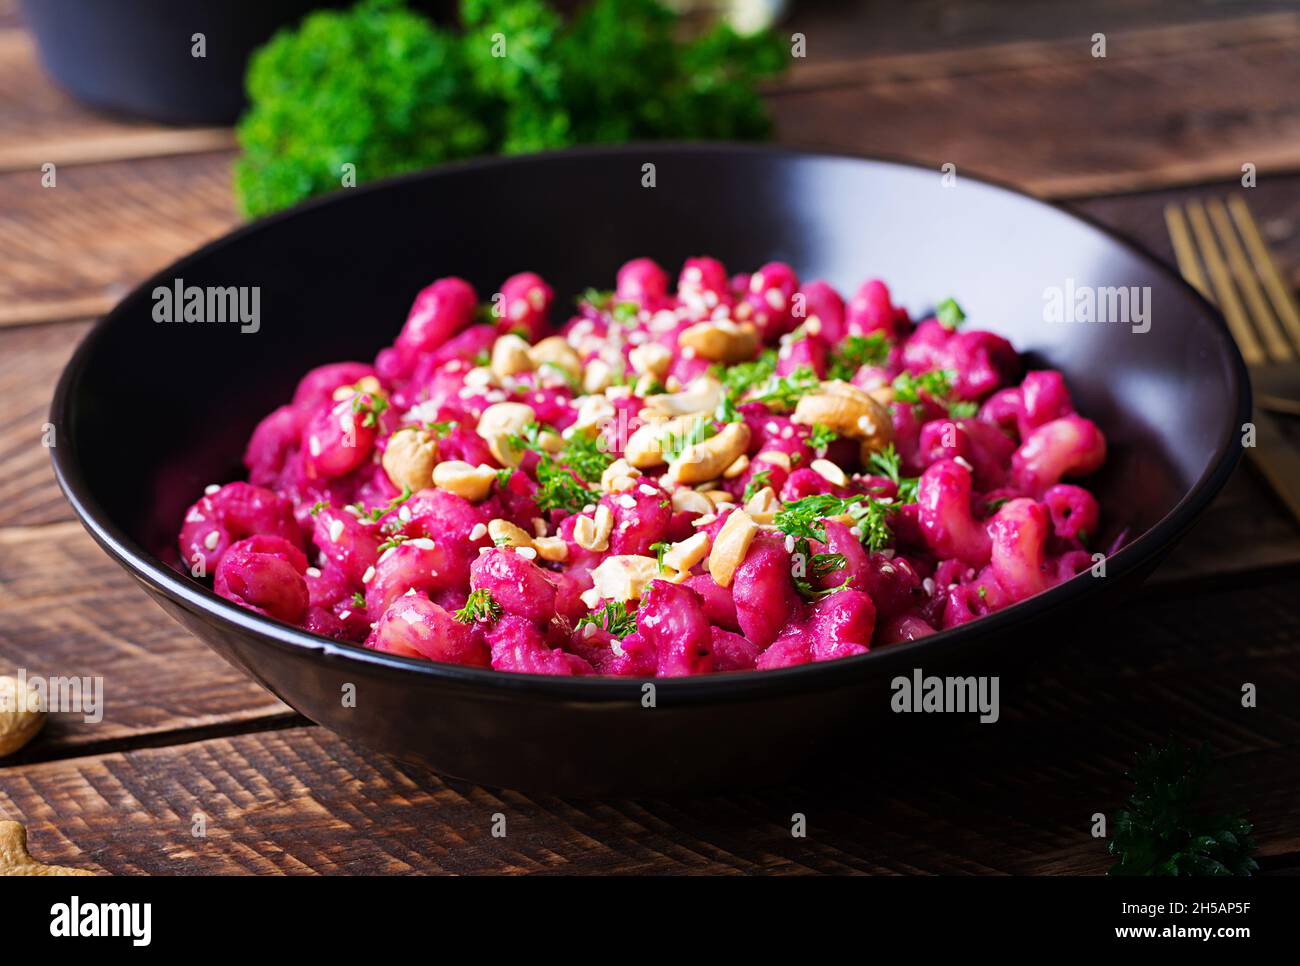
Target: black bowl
[{"x": 149, "y": 413}]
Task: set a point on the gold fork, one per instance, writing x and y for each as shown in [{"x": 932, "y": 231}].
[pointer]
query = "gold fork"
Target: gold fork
[{"x": 1266, "y": 329}]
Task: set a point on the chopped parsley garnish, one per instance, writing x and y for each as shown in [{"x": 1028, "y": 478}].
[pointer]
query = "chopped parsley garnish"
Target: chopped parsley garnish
[
  {"x": 371, "y": 405},
  {"x": 887, "y": 463},
  {"x": 672, "y": 445},
  {"x": 596, "y": 298},
  {"x": 821, "y": 436},
  {"x": 375, "y": 515},
  {"x": 803, "y": 518},
  {"x": 320, "y": 505},
  {"x": 558, "y": 489},
  {"x": 783, "y": 392},
  {"x": 739, "y": 379},
  {"x": 949, "y": 314},
  {"x": 358, "y": 599},
  {"x": 480, "y": 606},
  {"x": 569, "y": 378},
  {"x": 855, "y": 352},
  {"x": 660, "y": 549},
  {"x": 757, "y": 481},
  {"x": 624, "y": 313},
  {"x": 580, "y": 452},
  {"x": 743, "y": 376},
  {"x": 936, "y": 383},
  {"x": 503, "y": 476},
  {"x": 439, "y": 430},
  {"x": 613, "y": 618},
  {"x": 992, "y": 506},
  {"x": 819, "y": 565},
  {"x": 395, "y": 540}
]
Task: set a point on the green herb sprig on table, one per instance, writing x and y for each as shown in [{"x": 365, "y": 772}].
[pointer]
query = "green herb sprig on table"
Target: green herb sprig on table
[
  {"x": 1162, "y": 831},
  {"x": 381, "y": 89}
]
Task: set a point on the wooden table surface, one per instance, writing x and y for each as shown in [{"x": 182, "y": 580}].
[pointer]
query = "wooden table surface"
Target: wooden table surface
[{"x": 1174, "y": 110}]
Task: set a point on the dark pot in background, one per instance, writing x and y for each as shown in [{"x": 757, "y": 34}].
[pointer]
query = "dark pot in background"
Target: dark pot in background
[{"x": 133, "y": 56}]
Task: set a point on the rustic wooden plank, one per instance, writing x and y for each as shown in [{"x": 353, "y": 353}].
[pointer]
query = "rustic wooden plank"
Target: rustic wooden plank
[
  {"x": 67, "y": 609},
  {"x": 1275, "y": 202},
  {"x": 75, "y": 249},
  {"x": 840, "y": 30},
  {"x": 30, "y": 362},
  {"x": 40, "y": 122},
  {"x": 1015, "y": 797},
  {"x": 1055, "y": 120}
]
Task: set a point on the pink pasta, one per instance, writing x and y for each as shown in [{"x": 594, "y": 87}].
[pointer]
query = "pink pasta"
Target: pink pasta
[{"x": 721, "y": 473}]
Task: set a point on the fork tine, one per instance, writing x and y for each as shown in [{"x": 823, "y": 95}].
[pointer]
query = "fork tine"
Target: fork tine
[
  {"x": 1225, "y": 294},
  {"x": 1283, "y": 300},
  {"x": 1257, "y": 306},
  {"x": 1184, "y": 250}
]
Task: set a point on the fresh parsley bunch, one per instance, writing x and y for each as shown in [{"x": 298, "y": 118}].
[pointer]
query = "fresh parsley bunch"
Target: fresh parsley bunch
[
  {"x": 1161, "y": 831},
  {"x": 381, "y": 88},
  {"x": 378, "y": 87}
]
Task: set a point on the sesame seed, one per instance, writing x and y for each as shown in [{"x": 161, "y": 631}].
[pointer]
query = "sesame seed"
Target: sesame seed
[
  {"x": 528, "y": 553},
  {"x": 368, "y": 576},
  {"x": 404, "y": 514},
  {"x": 787, "y": 432},
  {"x": 479, "y": 531},
  {"x": 647, "y": 489},
  {"x": 424, "y": 543},
  {"x": 212, "y": 488},
  {"x": 789, "y": 544},
  {"x": 928, "y": 586},
  {"x": 627, "y": 501},
  {"x": 345, "y": 615},
  {"x": 211, "y": 540},
  {"x": 313, "y": 571},
  {"x": 961, "y": 461},
  {"x": 313, "y": 445},
  {"x": 336, "y": 530},
  {"x": 387, "y": 553}
]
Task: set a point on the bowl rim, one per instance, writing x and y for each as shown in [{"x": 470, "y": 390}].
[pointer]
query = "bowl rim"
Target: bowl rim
[{"x": 180, "y": 590}]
